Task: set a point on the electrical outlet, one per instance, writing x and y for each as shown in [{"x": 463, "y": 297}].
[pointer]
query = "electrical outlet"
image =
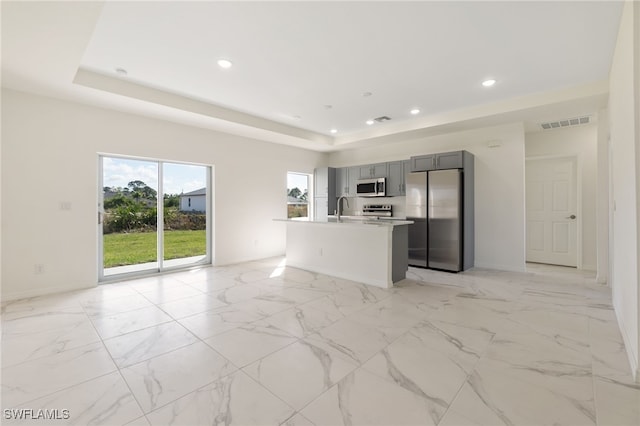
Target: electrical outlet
[
  {"x": 38, "y": 269},
  {"x": 65, "y": 205}
]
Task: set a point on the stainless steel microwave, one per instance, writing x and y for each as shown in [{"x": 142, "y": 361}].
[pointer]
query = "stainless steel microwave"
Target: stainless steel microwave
[{"x": 371, "y": 187}]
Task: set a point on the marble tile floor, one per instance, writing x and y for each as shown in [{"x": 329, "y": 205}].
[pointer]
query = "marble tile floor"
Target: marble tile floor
[{"x": 260, "y": 343}]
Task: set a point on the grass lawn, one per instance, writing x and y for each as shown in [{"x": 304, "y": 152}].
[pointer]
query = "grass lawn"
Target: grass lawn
[{"x": 140, "y": 247}]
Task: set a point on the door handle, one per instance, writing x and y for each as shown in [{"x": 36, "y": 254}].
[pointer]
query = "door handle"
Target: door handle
[{"x": 573, "y": 216}]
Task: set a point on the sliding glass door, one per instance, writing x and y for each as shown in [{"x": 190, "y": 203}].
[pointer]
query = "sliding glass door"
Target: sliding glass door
[
  {"x": 153, "y": 215},
  {"x": 185, "y": 196}
]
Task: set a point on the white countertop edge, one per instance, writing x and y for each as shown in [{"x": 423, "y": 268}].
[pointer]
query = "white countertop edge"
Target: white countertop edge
[{"x": 372, "y": 223}]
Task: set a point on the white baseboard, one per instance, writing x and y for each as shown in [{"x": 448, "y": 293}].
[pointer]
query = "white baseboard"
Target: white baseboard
[
  {"x": 509, "y": 268},
  {"x": 633, "y": 360},
  {"x": 227, "y": 262},
  {"x": 42, "y": 292}
]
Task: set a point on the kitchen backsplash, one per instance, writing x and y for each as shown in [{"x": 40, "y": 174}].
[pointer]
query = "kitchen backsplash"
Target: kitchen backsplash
[{"x": 356, "y": 205}]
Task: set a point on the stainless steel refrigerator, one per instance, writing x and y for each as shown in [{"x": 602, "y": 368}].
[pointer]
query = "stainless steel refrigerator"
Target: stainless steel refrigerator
[{"x": 434, "y": 204}]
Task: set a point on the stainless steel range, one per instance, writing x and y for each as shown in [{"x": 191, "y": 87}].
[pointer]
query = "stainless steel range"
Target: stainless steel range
[{"x": 377, "y": 210}]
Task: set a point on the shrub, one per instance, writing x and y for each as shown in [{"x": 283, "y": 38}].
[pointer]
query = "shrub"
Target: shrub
[{"x": 137, "y": 217}]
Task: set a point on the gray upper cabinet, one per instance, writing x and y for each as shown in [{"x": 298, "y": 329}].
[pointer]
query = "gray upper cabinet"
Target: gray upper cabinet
[
  {"x": 324, "y": 182},
  {"x": 353, "y": 179},
  {"x": 346, "y": 178},
  {"x": 325, "y": 191},
  {"x": 373, "y": 171},
  {"x": 423, "y": 163},
  {"x": 445, "y": 160},
  {"x": 449, "y": 160},
  {"x": 342, "y": 182},
  {"x": 321, "y": 208},
  {"x": 395, "y": 180}
]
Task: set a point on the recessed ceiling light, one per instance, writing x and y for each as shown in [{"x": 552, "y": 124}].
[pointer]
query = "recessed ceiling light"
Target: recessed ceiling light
[
  {"x": 370, "y": 122},
  {"x": 225, "y": 63},
  {"x": 415, "y": 111},
  {"x": 334, "y": 130},
  {"x": 488, "y": 83},
  {"x": 121, "y": 71}
]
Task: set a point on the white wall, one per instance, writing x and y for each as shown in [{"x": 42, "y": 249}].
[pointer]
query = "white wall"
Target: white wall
[
  {"x": 499, "y": 185},
  {"x": 582, "y": 142},
  {"x": 625, "y": 173},
  {"x": 602, "y": 203},
  {"x": 49, "y": 155}
]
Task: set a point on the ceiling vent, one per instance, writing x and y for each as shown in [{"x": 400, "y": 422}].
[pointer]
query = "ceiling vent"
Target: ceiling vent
[
  {"x": 382, "y": 119},
  {"x": 565, "y": 123}
]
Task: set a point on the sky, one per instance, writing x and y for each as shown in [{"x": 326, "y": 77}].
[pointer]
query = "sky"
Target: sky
[
  {"x": 177, "y": 178},
  {"x": 295, "y": 180}
]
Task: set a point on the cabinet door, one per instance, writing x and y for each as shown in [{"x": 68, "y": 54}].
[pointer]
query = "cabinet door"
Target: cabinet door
[
  {"x": 324, "y": 182},
  {"x": 449, "y": 160},
  {"x": 321, "y": 180},
  {"x": 395, "y": 180},
  {"x": 353, "y": 174},
  {"x": 342, "y": 181},
  {"x": 406, "y": 168},
  {"x": 379, "y": 170},
  {"x": 423, "y": 163},
  {"x": 364, "y": 172},
  {"x": 321, "y": 208}
]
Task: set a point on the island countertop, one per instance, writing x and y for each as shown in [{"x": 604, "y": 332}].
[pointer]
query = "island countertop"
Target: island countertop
[
  {"x": 370, "y": 251},
  {"x": 352, "y": 221}
]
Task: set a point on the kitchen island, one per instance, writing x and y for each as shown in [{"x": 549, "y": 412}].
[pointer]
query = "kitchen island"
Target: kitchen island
[{"x": 373, "y": 252}]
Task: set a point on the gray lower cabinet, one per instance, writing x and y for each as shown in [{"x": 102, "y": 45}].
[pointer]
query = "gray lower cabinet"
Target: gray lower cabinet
[
  {"x": 395, "y": 179},
  {"x": 441, "y": 161}
]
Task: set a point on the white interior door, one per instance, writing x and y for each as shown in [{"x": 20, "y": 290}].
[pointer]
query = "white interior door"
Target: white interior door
[{"x": 551, "y": 197}]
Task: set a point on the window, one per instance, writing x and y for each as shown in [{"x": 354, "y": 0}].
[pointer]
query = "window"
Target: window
[
  {"x": 298, "y": 195},
  {"x": 154, "y": 215}
]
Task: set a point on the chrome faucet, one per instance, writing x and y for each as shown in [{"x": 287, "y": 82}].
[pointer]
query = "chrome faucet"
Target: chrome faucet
[{"x": 342, "y": 197}]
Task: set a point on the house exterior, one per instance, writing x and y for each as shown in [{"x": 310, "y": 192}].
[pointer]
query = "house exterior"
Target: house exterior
[{"x": 194, "y": 201}]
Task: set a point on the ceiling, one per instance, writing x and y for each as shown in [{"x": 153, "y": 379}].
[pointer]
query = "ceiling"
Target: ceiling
[{"x": 301, "y": 69}]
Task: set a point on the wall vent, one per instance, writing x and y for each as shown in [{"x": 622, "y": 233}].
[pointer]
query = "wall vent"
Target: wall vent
[
  {"x": 550, "y": 125},
  {"x": 382, "y": 119}
]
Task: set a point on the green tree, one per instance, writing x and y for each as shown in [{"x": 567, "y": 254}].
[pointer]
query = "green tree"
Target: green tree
[
  {"x": 295, "y": 193},
  {"x": 139, "y": 190},
  {"x": 171, "y": 200},
  {"x": 117, "y": 200}
]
